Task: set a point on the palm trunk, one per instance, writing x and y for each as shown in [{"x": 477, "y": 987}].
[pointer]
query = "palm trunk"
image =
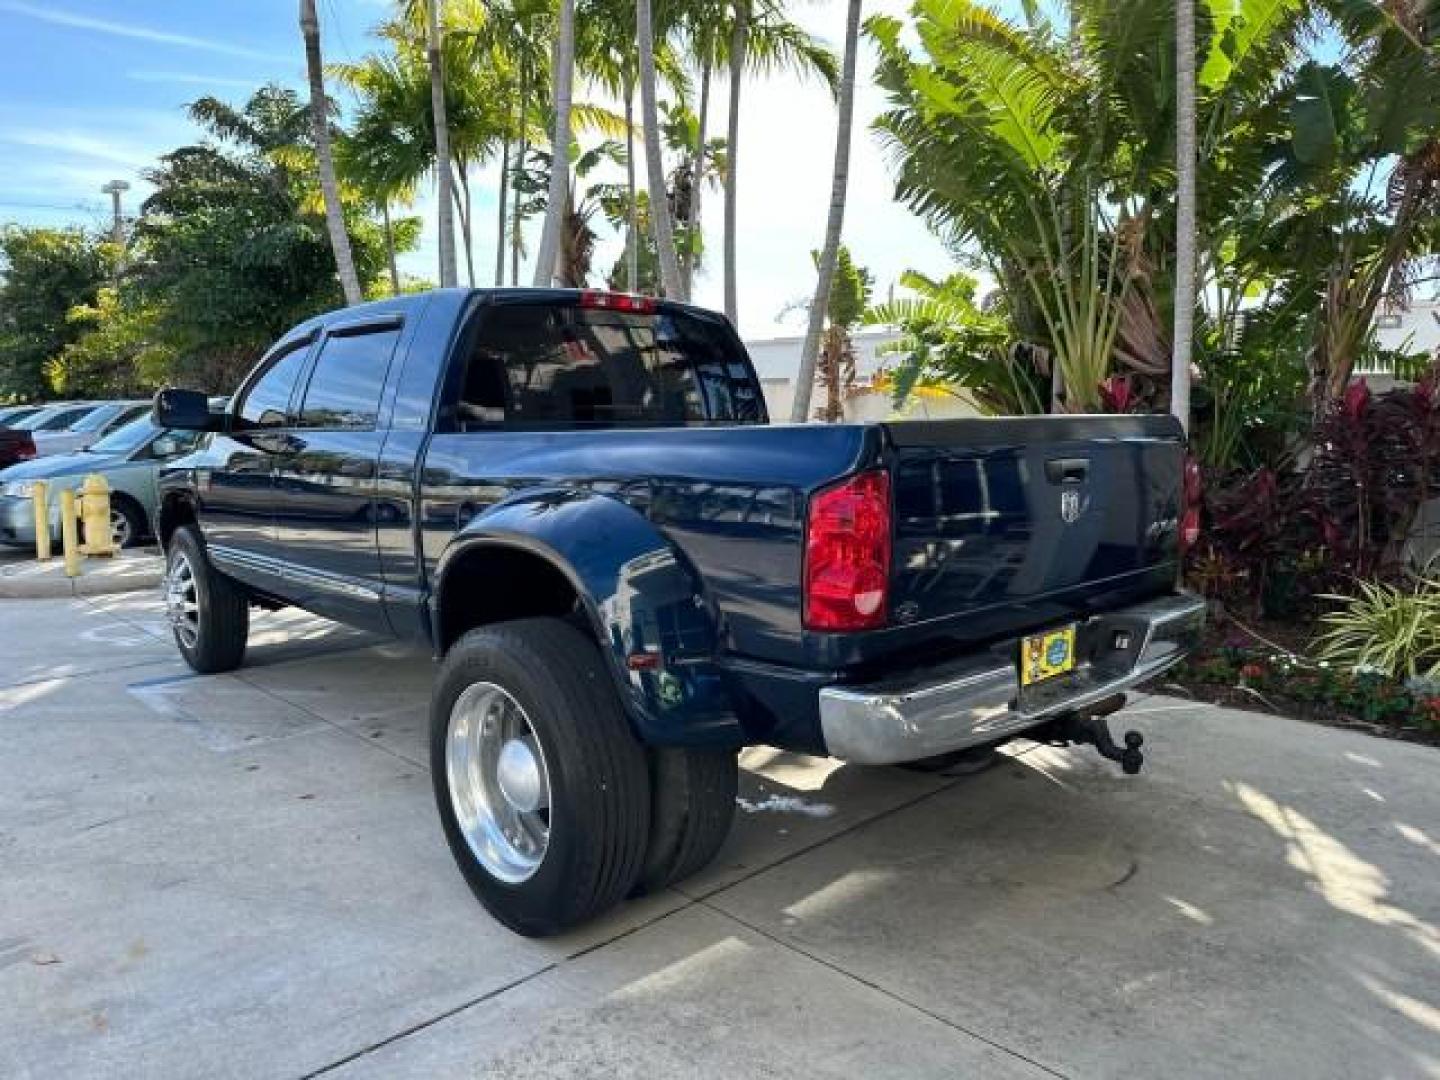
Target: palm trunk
[
  {"x": 738, "y": 38},
  {"x": 632, "y": 232},
  {"x": 516, "y": 237},
  {"x": 697, "y": 177},
  {"x": 1185, "y": 225},
  {"x": 320, "y": 125},
  {"x": 390, "y": 247},
  {"x": 503, "y": 216},
  {"x": 561, "y": 77},
  {"x": 799, "y": 411},
  {"x": 444, "y": 182},
  {"x": 671, "y": 282},
  {"x": 462, "y": 208}
]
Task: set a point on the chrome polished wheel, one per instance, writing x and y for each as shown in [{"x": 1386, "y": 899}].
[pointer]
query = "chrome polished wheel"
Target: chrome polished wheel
[
  {"x": 121, "y": 532},
  {"x": 499, "y": 784},
  {"x": 182, "y": 601}
]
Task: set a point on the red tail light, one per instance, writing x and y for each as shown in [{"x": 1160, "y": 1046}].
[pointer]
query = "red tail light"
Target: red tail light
[
  {"x": 1190, "y": 514},
  {"x": 613, "y": 301},
  {"x": 26, "y": 450},
  {"x": 847, "y": 555}
]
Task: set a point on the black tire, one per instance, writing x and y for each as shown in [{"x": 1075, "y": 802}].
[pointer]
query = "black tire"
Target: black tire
[
  {"x": 221, "y": 623},
  {"x": 957, "y": 762},
  {"x": 134, "y": 518},
  {"x": 599, "y": 807},
  {"x": 692, "y": 803}
]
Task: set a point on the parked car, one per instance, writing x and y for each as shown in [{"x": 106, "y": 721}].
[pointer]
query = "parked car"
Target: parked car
[
  {"x": 56, "y": 416},
  {"x": 574, "y": 498},
  {"x": 105, "y": 417},
  {"x": 128, "y": 459},
  {"x": 15, "y": 446}
]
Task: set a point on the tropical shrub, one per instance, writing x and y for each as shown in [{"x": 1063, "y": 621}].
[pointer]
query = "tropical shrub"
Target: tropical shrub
[
  {"x": 1376, "y": 461},
  {"x": 950, "y": 344},
  {"x": 1393, "y": 630}
]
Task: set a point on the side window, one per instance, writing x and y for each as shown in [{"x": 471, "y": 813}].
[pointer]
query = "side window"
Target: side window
[
  {"x": 124, "y": 417},
  {"x": 349, "y": 377},
  {"x": 265, "y": 403}
]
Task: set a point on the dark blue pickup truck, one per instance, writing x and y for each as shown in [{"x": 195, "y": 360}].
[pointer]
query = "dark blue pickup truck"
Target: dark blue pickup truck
[{"x": 577, "y": 501}]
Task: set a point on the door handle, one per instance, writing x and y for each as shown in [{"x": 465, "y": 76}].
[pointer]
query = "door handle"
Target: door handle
[{"x": 1067, "y": 470}]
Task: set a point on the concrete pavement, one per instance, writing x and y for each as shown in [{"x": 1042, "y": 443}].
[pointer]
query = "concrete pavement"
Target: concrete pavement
[
  {"x": 22, "y": 577},
  {"x": 242, "y": 876}
]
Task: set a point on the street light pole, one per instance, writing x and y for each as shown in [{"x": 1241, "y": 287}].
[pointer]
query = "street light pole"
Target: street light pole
[{"x": 115, "y": 188}]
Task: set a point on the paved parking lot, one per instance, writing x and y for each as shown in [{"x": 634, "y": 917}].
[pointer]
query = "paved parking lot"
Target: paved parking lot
[{"x": 242, "y": 876}]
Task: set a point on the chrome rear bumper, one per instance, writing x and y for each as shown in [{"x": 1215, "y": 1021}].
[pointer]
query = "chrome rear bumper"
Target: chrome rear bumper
[{"x": 979, "y": 700}]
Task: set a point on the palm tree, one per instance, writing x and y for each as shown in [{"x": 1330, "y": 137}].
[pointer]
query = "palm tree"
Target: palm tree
[
  {"x": 761, "y": 41},
  {"x": 562, "y": 75},
  {"x": 444, "y": 182},
  {"x": 1185, "y": 166},
  {"x": 320, "y": 125},
  {"x": 800, "y": 409},
  {"x": 739, "y": 36},
  {"x": 671, "y": 281},
  {"x": 605, "y": 52}
]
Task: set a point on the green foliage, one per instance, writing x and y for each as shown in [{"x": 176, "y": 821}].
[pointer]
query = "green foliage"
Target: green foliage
[
  {"x": 232, "y": 242},
  {"x": 43, "y": 274},
  {"x": 1042, "y": 148},
  {"x": 949, "y": 344},
  {"x": 1325, "y": 689},
  {"x": 122, "y": 353},
  {"x": 850, "y": 291},
  {"x": 1392, "y": 629}
]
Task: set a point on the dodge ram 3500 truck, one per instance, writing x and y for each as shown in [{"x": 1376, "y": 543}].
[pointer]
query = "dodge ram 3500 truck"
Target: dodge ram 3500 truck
[{"x": 576, "y": 501}]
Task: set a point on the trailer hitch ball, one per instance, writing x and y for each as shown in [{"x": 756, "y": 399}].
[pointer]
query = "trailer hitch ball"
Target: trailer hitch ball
[{"x": 1093, "y": 729}]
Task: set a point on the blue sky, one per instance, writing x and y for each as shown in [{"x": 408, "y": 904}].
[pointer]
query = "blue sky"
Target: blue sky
[{"x": 94, "y": 91}]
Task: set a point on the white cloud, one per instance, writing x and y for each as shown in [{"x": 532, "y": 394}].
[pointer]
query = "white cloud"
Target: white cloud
[
  {"x": 194, "y": 78},
  {"x": 57, "y": 17}
]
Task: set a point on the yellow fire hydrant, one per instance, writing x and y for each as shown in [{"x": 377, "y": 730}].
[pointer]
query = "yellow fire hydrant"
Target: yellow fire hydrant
[{"x": 95, "y": 513}]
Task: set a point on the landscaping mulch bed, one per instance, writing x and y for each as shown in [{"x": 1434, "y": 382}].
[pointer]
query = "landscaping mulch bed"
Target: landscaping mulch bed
[{"x": 1269, "y": 666}]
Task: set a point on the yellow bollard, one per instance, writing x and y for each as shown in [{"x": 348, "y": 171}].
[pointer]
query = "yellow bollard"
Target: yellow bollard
[
  {"x": 95, "y": 513},
  {"x": 40, "y": 495},
  {"x": 69, "y": 533}
]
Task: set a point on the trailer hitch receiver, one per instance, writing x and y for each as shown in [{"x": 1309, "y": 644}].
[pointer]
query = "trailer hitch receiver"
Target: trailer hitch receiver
[{"x": 1092, "y": 728}]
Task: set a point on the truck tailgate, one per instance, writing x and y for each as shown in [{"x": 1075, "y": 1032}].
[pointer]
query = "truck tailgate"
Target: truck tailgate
[{"x": 1033, "y": 518}]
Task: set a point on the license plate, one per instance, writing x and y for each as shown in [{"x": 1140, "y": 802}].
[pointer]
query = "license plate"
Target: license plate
[{"x": 1043, "y": 656}]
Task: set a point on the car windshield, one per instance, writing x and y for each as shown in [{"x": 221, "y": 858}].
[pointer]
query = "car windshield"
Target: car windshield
[
  {"x": 11, "y": 417},
  {"x": 55, "y": 418},
  {"x": 128, "y": 439},
  {"x": 101, "y": 418}
]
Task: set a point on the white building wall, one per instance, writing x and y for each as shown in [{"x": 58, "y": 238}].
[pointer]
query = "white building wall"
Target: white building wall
[
  {"x": 778, "y": 359},
  {"x": 1415, "y": 328}
]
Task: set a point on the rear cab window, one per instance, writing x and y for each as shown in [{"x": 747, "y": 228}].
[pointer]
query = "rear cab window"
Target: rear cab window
[{"x": 554, "y": 365}]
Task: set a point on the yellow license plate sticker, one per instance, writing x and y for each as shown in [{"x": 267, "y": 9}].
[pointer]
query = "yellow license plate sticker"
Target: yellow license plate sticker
[{"x": 1043, "y": 656}]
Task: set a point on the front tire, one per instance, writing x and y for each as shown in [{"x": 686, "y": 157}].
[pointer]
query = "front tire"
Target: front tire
[
  {"x": 208, "y": 613},
  {"x": 127, "y": 523},
  {"x": 541, "y": 786}
]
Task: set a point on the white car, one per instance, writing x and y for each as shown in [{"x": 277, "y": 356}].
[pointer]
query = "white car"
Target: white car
[{"x": 62, "y": 434}]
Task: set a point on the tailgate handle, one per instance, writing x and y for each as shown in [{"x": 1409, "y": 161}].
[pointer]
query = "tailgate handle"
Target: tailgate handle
[{"x": 1067, "y": 470}]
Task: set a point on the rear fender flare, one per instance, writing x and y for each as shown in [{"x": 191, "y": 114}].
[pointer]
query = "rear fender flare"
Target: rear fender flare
[{"x": 645, "y": 602}]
